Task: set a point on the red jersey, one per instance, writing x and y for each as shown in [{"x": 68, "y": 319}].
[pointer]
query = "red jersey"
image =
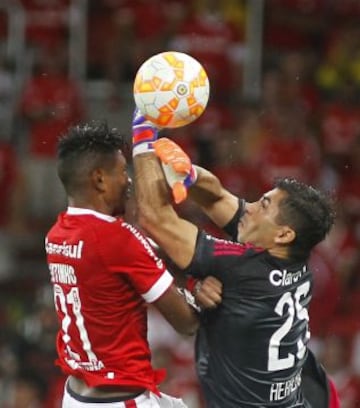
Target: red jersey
[{"x": 103, "y": 272}]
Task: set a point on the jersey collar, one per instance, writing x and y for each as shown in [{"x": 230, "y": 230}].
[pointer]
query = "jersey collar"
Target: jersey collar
[{"x": 87, "y": 211}]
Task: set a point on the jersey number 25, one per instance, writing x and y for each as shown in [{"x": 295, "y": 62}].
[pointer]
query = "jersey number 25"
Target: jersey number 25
[{"x": 289, "y": 303}]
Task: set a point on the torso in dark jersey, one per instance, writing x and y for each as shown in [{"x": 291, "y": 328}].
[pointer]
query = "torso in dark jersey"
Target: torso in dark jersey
[{"x": 250, "y": 350}]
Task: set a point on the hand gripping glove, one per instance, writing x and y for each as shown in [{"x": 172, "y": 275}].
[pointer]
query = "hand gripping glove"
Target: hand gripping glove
[
  {"x": 179, "y": 172},
  {"x": 144, "y": 133}
]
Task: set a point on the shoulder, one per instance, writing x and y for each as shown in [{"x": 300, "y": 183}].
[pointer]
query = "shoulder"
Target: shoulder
[
  {"x": 129, "y": 240},
  {"x": 223, "y": 247},
  {"x": 135, "y": 235},
  {"x": 213, "y": 256}
]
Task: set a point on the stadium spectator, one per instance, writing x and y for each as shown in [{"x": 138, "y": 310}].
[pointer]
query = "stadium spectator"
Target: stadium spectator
[
  {"x": 7, "y": 84},
  {"x": 340, "y": 62},
  {"x": 348, "y": 184},
  {"x": 3, "y": 25},
  {"x": 339, "y": 125},
  {"x": 217, "y": 43},
  {"x": 50, "y": 102},
  {"x": 294, "y": 25},
  {"x": 46, "y": 22},
  {"x": 12, "y": 213},
  {"x": 288, "y": 148},
  {"x": 335, "y": 354},
  {"x": 119, "y": 42}
]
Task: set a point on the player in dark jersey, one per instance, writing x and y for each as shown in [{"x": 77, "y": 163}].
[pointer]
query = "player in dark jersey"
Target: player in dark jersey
[
  {"x": 252, "y": 350},
  {"x": 104, "y": 271}
]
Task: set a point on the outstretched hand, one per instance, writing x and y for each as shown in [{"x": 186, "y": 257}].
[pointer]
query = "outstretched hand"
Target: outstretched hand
[{"x": 179, "y": 172}]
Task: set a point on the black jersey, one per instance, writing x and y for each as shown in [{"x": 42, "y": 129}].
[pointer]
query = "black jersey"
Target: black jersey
[{"x": 250, "y": 351}]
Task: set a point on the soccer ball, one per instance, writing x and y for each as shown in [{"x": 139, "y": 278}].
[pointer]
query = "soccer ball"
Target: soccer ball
[{"x": 171, "y": 89}]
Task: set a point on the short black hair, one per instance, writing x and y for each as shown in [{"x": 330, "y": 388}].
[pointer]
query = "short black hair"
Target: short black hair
[
  {"x": 308, "y": 211},
  {"x": 84, "y": 148}
]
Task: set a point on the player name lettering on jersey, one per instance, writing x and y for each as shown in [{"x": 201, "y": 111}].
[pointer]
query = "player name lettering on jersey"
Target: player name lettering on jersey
[
  {"x": 145, "y": 243},
  {"x": 285, "y": 278},
  {"x": 64, "y": 249},
  {"x": 281, "y": 390},
  {"x": 62, "y": 273}
]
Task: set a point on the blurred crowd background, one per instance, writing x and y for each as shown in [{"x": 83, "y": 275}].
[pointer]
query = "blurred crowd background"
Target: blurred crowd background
[{"x": 285, "y": 100}]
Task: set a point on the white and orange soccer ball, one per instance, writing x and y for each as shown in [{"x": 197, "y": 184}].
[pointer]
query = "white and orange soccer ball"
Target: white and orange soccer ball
[{"x": 171, "y": 89}]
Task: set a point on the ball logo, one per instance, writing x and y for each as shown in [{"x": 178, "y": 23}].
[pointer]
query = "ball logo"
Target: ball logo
[{"x": 181, "y": 89}]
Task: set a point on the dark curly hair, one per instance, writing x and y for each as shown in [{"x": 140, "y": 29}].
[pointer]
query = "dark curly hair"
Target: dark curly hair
[
  {"x": 84, "y": 148},
  {"x": 308, "y": 211}
]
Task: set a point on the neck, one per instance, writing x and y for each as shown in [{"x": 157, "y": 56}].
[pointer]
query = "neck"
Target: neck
[
  {"x": 279, "y": 252},
  {"x": 95, "y": 205}
]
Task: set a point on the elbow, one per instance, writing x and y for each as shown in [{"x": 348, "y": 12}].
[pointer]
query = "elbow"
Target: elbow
[
  {"x": 188, "y": 329},
  {"x": 192, "y": 330}
]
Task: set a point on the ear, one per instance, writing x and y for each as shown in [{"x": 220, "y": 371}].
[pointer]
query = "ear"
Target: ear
[
  {"x": 285, "y": 235},
  {"x": 98, "y": 180}
]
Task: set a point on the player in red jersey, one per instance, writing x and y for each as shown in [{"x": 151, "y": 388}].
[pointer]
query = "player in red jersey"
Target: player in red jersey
[
  {"x": 251, "y": 351},
  {"x": 103, "y": 272}
]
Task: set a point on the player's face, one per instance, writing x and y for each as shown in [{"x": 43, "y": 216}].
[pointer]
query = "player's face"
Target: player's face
[
  {"x": 258, "y": 224},
  {"x": 118, "y": 185}
]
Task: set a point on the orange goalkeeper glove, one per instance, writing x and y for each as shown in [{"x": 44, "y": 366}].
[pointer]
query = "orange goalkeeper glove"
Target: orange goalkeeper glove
[{"x": 179, "y": 172}]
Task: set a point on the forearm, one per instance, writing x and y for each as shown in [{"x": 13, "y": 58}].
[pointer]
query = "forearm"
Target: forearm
[
  {"x": 207, "y": 188},
  {"x": 217, "y": 202},
  {"x": 152, "y": 194},
  {"x": 176, "y": 236},
  {"x": 176, "y": 310}
]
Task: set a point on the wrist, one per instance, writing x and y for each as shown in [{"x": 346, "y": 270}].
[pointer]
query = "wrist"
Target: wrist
[
  {"x": 191, "y": 178},
  {"x": 143, "y": 139},
  {"x": 189, "y": 299},
  {"x": 143, "y": 147},
  {"x": 144, "y": 134},
  {"x": 190, "y": 283}
]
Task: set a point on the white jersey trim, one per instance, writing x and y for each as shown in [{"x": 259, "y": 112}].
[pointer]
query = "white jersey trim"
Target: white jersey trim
[
  {"x": 159, "y": 288},
  {"x": 87, "y": 211}
]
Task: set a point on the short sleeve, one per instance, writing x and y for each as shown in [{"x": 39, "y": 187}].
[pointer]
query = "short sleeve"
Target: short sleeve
[
  {"x": 231, "y": 227},
  {"x": 202, "y": 263},
  {"x": 130, "y": 254}
]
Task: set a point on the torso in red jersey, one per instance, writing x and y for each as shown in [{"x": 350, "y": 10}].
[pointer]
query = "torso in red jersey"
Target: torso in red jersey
[{"x": 103, "y": 272}]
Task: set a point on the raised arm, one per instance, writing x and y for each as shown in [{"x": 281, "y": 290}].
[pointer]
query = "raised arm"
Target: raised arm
[
  {"x": 202, "y": 186},
  {"x": 176, "y": 236},
  {"x": 214, "y": 200}
]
